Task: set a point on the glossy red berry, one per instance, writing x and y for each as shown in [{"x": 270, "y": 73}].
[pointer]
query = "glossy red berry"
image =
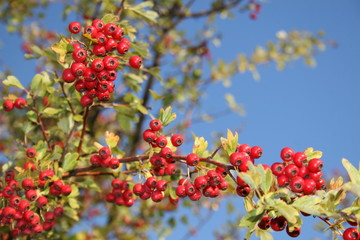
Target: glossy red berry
[
  {"x": 58, "y": 184},
  {"x": 309, "y": 186},
  {"x": 177, "y": 140},
  {"x": 161, "y": 185},
  {"x": 315, "y": 165},
  {"x": 30, "y": 152},
  {"x": 291, "y": 170},
  {"x": 264, "y": 223},
  {"x": 77, "y": 69},
  {"x": 110, "y": 45},
  {"x": 58, "y": 211},
  {"x": 243, "y": 191},
  {"x": 91, "y": 30},
  {"x": 8, "y": 105},
  {"x": 14, "y": 201},
  {"x": 278, "y": 223},
  {"x": 118, "y": 34},
  {"x": 300, "y": 159},
  {"x": 161, "y": 141},
  {"x": 66, "y": 190},
  {"x": 157, "y": 196},
  {"x": 31, "y": 195},
  {"x": 138, "y": 189},
  {"x": 244, "y": 166},
  {"x": 304, "y": 172},
  {"x": 9, "y": 212},
  {"x": 244, "y": 148},
  {"x": 351, "y": 234},
  {"x": 287, "y": 154},
  {"x": 122, "y": 48},
  {"x": 170, "y": 169},
  {"x": 149, "y": 135},
  {"x": 74, "y": 27},
  {"x": 150, "y": 182},
  {"x": 97, "y": 65},
  {"x": 68, "y": 76},
  {"x": 181, "y": 191},
  {"x": 99, "y": 50},
  {"x": 320, "y": 184},
  {"x": 155, "y": 125},
  {"x": 135, "y": 61},
  {"x": 27, "y": 184},
  {"x": 41, "y": 202},
  {"x": 49, "y": 216},
  {"x": 20, "y": 103},
  {"x": 200, "y": 182},
  {"x": 114, "y": 163},
  {"x": 109, "y": 29},
  {"x": 192, "y": 159},
  {"x": 86, "y": 101},
  {"x": 79, "y": 55},
  {"x": 166, "y": 153},
  {"x": 237, "y": 158},
  {"x": 256, "y": 152},
  {"x": 110, "y": 63},
  {"x": 98, "y": 24},
  {"x": 283, "y": 180},
  {"x": 95, "y": 160},
  {"x": 297, "y": 184},
  {"x": 104, "y": 152},
  {"x": 316, "y": 175},
  {"x": 24, "y": 205},
  {"x": 47, "y": 174}
]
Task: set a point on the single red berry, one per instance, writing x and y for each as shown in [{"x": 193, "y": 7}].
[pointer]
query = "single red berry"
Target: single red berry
[
  {"x": 99, "y": 50},
  {"x": 79, "y": 55},
  {"x": 91, "y": 30},
  {"x": 253, "y": 15},
  {"x": 101, "y": 39},
  {"x": 98, "y": 24},
  {"x": 105, "y": 152},
  {"x": 291, "y": 170},
  {"x": 196, "y": 196},
  {"x": 192, "y": 159},
  {"x": 77, "y": 69},
  {"x": 20, "y": 103},
  {"x": 177, "y": 140},
  {"x": 30, "y": 166},
  {"x": 297, "y": 184},
  {"x": 155, "y": 125},
  {"x": 86, "y": 101},
  {"x": 221, "y": 171},
  {"x": 97, "y": 65},
  {"x": 300, "y": 159},
  {"x": 103, "y": 96},
  {"x": 166, "y": 153},
  {"x": 41, "y": 202},
  {"x": 13, "y": 184},
  {"x": 150, "y": 182},
  {"x": 114, "y": 163},
  {"x": 237, "y": 158},
  {"x": 80, "y": 85},
  {"x": 138, "y": 189},
  {"x": 315, "y": 165},
  {"x": 303, "y": 172},
  {"x": 118, "y": 34},
  {"x": 161, "y": 185},
  {"x": 244, "y": 148},
  {"x": 309, "y": 186},
  {"x": 68, "y": 76},
  {"x": 283, "y": 180},
  {"x": 110, "y": 45},
  {"x": 181, "y": 191},
  {"x": 122, "y": 48},
  {"x": 74, "y": 27},
  {"x": 149, "y": 136},
  {"x": 352, "y": 223},
  {"x": 9, "y": 175},
  {"x": 243, "y": 191},
  {"x": 110, "y": 63},
  {"x": 31, "y": 152},
  {"x": 264, "y": 223},
  {"x": 223, "y": 185},
  {"x": 24, "y": 205},
  {"x": 49, "y": 216},
  {"x": 256, "y": 152},
  {"x": 320, "y": 184},
  {"x": 129, "y": 202},
  {"x": 126, "y": 41},
  {"x": 66, "y": 190},
  {"x": 47, "y": 174},
  {"x": 95, "y": 160},
  {"x": 29, "y": 215},
  {"x": 127, "y": 194},
  {"x": 31, "y": 195},
  {"x": 316, "y": 175},
  {"x": 135, "y": 61},
  {"x": 27, "y": 184},
  {"x": 170, "y": 169},
  {"x": 244, "y": 166},
  {"x": 8, "y": 105},
  {"x": 110, "y": 197},
  {"x": 161, "y": 141},
  {"x": 351, "y": 234},
  {"x": 200, "y": 182},
  {"x": 58, "y": 184},
  {"x": 14, "y": 201},
  {"x": 109, "y": 28},
  {"x": 157, "y": 196},
  {"x": 58, "y": 211},
  {"x": 287, "y": 154},
  {"x": 7, "y": 192},
  {"x": 278, "y": 223},
  {"x": 295, "y": 233}
]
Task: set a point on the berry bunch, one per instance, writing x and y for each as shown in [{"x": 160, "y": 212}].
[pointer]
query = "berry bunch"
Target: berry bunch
[
  {"x": 104, "y": 159},
  {"x": 121, "y": 195},
  {"x": 296, "y": 172},
  {"x": 152, "y": 188},
  {"x": 95, "y": 65},
  {"x": 208, "y": 185},
  {"x": 278, "y": 224},
  {"x": 256, "y": 8},
  {"x": 19, "y": 103},
  {"x": 24, "y": 212}
]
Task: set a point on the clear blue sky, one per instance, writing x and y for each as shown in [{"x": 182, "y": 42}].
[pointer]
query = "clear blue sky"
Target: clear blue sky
[{"x": 300, "y": 107}]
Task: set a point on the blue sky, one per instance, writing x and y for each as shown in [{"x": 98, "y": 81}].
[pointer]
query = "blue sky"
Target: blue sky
[{"x": 299, "y": 107}]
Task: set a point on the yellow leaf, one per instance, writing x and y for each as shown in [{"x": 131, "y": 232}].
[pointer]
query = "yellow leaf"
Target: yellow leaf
[{"x": 111, "y": 139}]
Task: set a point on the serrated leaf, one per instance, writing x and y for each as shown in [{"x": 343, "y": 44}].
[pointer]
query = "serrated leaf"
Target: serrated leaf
[
  {"x": 289, "y": 212},
  {"x": 166, "y": 116},
  {"x": 70, "y": 161},
  {"x": 50, "y": 112},
  {"x": 230, "y": 143},
  {"x": 311, "y": 154},
  {"x": 354, "y": 174},
  {"x": 308, "y": 204},
  {"x": 109, "y": 18},
  {"x": 13, "y": 81},
  {"x": 32, "y": 116},
  {"x": 61, "y": 48},
  {"x": 111, "y": 139},
  {"x": 200, "y": 146}
]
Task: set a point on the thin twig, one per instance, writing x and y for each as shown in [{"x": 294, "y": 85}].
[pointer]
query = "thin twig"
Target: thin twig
[
  {"x": 330, "y": 224},
  {"x": 42, "y": 127},
  {"x": 121, "y": 8},
  {"x": 66, "y": 97},
  {"x": 86, "y": 113},
  {"x": 216, "y": 150}
]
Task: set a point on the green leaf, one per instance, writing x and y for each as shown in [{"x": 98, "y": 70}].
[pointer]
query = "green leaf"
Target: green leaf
[
  {"x": 142, "y": 109},
  {"x": 352, "y": 187},
  {"x": 200, "y": 146},
  {"x": 61, "y": 48},
  {"x": 70, "y": 161},
  {"x": 263, "y": 234},
  {"x": 239, "y": 109},
  {"x": 230, "y": 143},
  {"x": 50, "y": 112},
  {"x": 251, "y": 217},
  {"x": 13, "y": 81},
  {"x": 156, "y": 96},
  {"x": 268, "y": 181},
  {"x": 166, "y": 116},
  {"x": 248, "y": 179},
  {"x": 308, "y": 204},
  {"x": 78, "y": 118},
  {"x": 148, "y": 15},
  {"x": 73, "y": 203},
  {"x": 310, "y": 153},
  {"x": 36, "y": 82},
  {"x": 289, "y": 212},
  {"x": 354, "y": 174},
  {"x": 32, "y": 116},
  {"x": 111, "y": 139},
  {"x": 109, "y": 18},
  {"x": 71, "y": 213}
]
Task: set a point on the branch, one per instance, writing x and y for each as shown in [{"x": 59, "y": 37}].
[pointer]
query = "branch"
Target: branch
[
  {"x": 42, "y": 126},
  {"x": 66, "y": 97},
  {"x": 330, "y": 224},
  {"x": 86, "y": 113},
  {"x": 121, "y": 8}
]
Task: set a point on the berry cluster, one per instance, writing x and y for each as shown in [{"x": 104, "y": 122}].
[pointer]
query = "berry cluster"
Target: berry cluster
[
  {"x": 104, "y": 159},
  {"x": 95, "y": 66},
  {"x": 152, "y": 188},
  {"x": 301, "y": 175},
  {"x": 19, "y": 103},
  {"x": 278, "y": 224},
  {"x": 256, "y": 8},
  {"x": 121, "y": 195},
  {"x": 208, "y": 185},
  {"x": 25, "y": 212}
]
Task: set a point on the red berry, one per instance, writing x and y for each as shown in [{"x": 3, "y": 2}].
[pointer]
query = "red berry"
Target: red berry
[
  {"x": 166, "y": 153},
  {"x": 58, "y": 211},
  {"x": 287, "y": 154},
  {"x": 264, "y": 223},
  {"x": 41, "y": 202},
  {"x": 237, "y": 158},
  {"x": 138, "y": 189},
  {"x": 47, "y": 174},
  {"x": 98, "y": 24},
  {"x": 303, "y": 172},
  {"x": 77, "y": 69},
  {"x": 150, "y": 182},
  {"x": 97, "y": 65},
  {"x": 256, "y": 152},
  {"x": 170, "y": 169},
  {"x": 320, "y": 184},
  {"x": 295, "y": 233},
  {"x": 221, "y": 171},
  {"x": 79, "y": 55},
  {"x": 109, "y": 29},
  {"x": 80, "y": 85},
  {"x": 58, "y": 184},
  {"x": 24, "y": 205},
  {"x": 110, "y": 63},
  {"x": 8, "y": 105},
  {"x": 161, "y": 141},
  {"x": 95, "y": 160},
  {"x": 49, "y": 216},
  {"x": 291, "y": 170},
  {"x": 105, "y": 152},
  {"x": 91, "y": 30},
  {"x": 244, "y": 166},
  {"x": 283, "y": 180},
  {"x": 315, "y": 175},
  {"x": 66, "y": 190},
  {"x": 181, "y": 191},
  {"x": 68, "y": 76},
  {"x": 157, "y": 196},
  {"x": 114, "y": 163},
  {"x": 101, "y": 39},
  {"x": 223, "y": 185},
  {"x": 31, "y": 152},
  {"x": 9, "y": 175},
  {"x": 315, "y": 165},
  {"x": 110, "y": 45},
  {"x": 86, "y": 101},
  {"x": 278, "y": 223},
  {"x": 14, "y": 201},
  {"x": 177, "y": 140},
  {"x": 244, "y": 148},
  {"x": 300, "y": 159},
  {"x": 155, "y": 125},
  {"x": 135, "y": 61},
  {"x": 192, "y": 159},
  {"x": 297, "y": 184},
  {"x": 20, "y": 103},
  {"x": 27, "y": 184},
  {"x": 118, "y": 34},
  {"x": 75, "y": 27},
  {"x": 351, "y": 234},
  {"x": 31, "y": 195},
  {"x": 161, "y": 185},
  {"x": 122, "y": 48},
  {"x": 253, "y": 15},
  {"x": 309, "y": 186},
  {"x": 200, "y": 182},
  {"x": 149, "y": 136},
  {"x": 99, "y": 50},
  {"x": 243, "y": 191}
]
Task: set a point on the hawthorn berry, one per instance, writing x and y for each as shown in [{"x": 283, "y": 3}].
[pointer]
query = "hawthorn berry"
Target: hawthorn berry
[
  {"x": 157, "y": 196},
  {"x": 297, "y": 184},
  {"x": 79, "y": 55},
  {"x": 192, "y": 159},
  {"x": 278, "y": 223},
  {"x": 309, "y": 186},
  {"x": 291, "y": 170},
  {"x": 47, "y": 174},
  {"x": 243, "y": 191},
  {"x": 170, "y": 169},
  {"x": 14, "y": 201},
  {"x": 256, "y": 152},
  {"x": 122, "y": 48},
  {"x": 264, "y": 223},
  {"x": 31, "y": 195},
  {"x": 86, "y": 101},
  {"x": 110, "y": 63},
  {"x": 109, "y": 29},
  {"x": 77, "y": 69},
  {"x": 200, "y": 182},
  {"x": 287, "y": 154},
  {"x": 237, "y": 158},
  {"x": 20, "y": 103},
  {"x": 99, "y": 50},
  {"x": 244, "y": 148},
  {"x": 27, "y": 184},
  {"x": 97, "y": 65},
  {"x": 351, "y": 234},
  {"x": 23, "y": 205},
  {"x": 161, "y": 141},
  {"x": 114, "y": 163},
  {"x": 41, "y": 202},
  {"x": 135, "y": 62},
  {"x": 49, "y": 216},
  {"x": 74, "y": 27},
  {"x": 177, "y": 140},
  {"x": 315, "y": 165},
  {"x": 181, "y": 191},
  {"x": 161, "y": 185},
  {"x": 8, "y": 105},
  {"x": 91, "y": 30},
  {"x": 30, "y": 152},
  {"x": 58, "y": 211},
  {"x": 295, "y": 233},
  {"x": 300, "y": 159},
  {"x": 150, "y": 182},
  {"x": 98, "y": 24},
  {"x": 277, "y": 168},
  {"x": 283, "y": 180},
  {"x": 118, "y": 34},
  {"x": 149, "y": 135},
  {"x": 166, "y": 153}
]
